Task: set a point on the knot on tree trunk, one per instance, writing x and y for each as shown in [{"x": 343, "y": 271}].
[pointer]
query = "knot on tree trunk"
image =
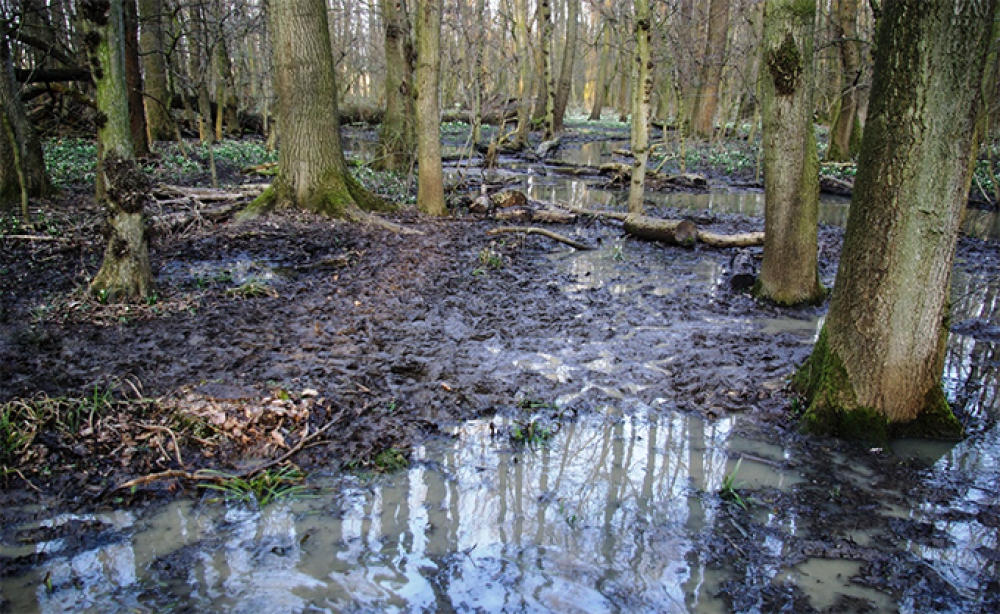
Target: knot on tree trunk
[
  {"x": 128, "y": 186},
  {"x": 785, "y": 65}
]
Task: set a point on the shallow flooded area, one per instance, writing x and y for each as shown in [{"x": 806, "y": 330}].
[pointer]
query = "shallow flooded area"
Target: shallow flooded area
[{"x": 599, "y": 431}]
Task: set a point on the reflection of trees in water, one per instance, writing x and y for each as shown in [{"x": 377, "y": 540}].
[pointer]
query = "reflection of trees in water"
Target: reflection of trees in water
[{"x": 971, "y": 376}]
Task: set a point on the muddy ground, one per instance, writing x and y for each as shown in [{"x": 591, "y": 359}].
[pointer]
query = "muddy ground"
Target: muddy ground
[{"x": 266, "y": 332}]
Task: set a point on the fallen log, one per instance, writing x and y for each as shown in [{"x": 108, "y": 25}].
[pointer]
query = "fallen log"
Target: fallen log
[
  {"x": 532, "y": 230},
  {"x": 678, "y": 232}
]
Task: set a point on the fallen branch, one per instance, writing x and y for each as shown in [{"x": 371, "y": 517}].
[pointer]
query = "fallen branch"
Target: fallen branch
[
  {"x": 33, "y": 238},
  {"x": 531, "y": 230},
  {"x": 683, "y": 232},
  {"x": 611, "y": 215}
]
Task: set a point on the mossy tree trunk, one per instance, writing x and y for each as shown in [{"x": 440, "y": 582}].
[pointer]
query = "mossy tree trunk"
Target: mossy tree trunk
[
  {"x": 430, "y": 176},
  {"x": 157, "y": 96},
  {"x": 707, "y": 100},
  {"x": 523, "y": 74},
  {"x": 789, "y": 274},
  {"x": 641, "y": 107},
  {"x": 312, "y": 171},
  {"x": 32, "y": 161},
  {"x": 850, "y": 61},
  {"x": 125, "y": 272},
  {"x": 876, "y": 370},
  {"x": 397, "y": 136},
  {"x": 561, "y": 100}
]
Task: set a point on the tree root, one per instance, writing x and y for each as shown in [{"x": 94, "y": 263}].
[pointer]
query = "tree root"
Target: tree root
[{"x": 531, "y": 230}]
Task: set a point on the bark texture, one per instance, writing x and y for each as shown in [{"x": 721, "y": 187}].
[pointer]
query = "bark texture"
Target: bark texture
[
  {"x": 397, "y": 135},
  {"x": 641, "y": 107},
  {"x": 523, "y": 74},
  {"x": 312, "y": 171},
  {"x": 790, "y": 270},
  {"x": 566, "y": 70},
  {"x": 545, "y": 46},
  {"x": 133, "y": 80},
  {"x": 876, "y": 370},
  {"x": 707, "y": 101},
  {"x": 24, "y": 137},
  {"x": 430, "y": 177}
]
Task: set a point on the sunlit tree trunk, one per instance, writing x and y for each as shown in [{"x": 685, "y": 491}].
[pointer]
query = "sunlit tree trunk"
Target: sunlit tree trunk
[
  {"x": 157, "y": 97},
  {"x": 568, "y": 60},
  {"x": 545, "y": 43},
  {"x": 312, "y": 171},
  {"x": 524, "y": 74},
  {"x": 397, "y": 137},
  {"x": 840, "y": 134},
  {"x": 641, "y": 109},
  {"x": 430, "y": 178},
  {"x": 125, "y": 272},
  {"x": 707, "y": 100},
  {"x": 789, "y": 274},
  {"x": 876, "y": 369}
]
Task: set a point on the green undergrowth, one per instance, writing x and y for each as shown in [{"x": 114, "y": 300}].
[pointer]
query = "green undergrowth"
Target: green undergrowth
[{"x": 262, "y": 488}]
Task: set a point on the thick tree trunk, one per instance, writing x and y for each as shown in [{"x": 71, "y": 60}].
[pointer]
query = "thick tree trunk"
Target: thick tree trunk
[
  {"x": 157, "y": 96},
  {"x": 430, "y": 186},
  {"x": 312, "y": 172},
  {"x": 789, "y": 274},
  {"x": 568, "y": 60},
  {"x": 641, "y": 107},
  {"x": 707, "y": 101},
  {"x": 876, "y": 369},
  {"x": 133, "y": 80},
  {"x": 125, "y": 271},
  {"x": 25, "y": 138},
  {"x": 840, "y": 134},
  {"x": 397, "y": 136}
]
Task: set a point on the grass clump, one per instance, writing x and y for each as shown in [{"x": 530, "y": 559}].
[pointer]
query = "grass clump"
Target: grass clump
[
  {"x": 729, "y": 489},
  {"x": 264, "y": 487},
  {"x": 531, "y": 433}
]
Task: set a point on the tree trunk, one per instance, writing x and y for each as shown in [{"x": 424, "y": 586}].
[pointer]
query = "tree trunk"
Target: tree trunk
[
  {"x": 641, "y": 108},
  {"x": 545, "y": 24},
  {"x": 312, "y": 172},
  {"x": 601, "y": 84},
  {"x": 566, "y": 71},
  {"x": 876, "y": 370},
  {"x": 133, "y": 80},
  {"x": 157, "y": 96},
  {"x": 707, "y": 101},
  {"x": 430, "y": 179},
  {"x": 25, "y": 138},
  {"x": 524, "y": 74},
  {"x": 840, "y": 135},
  {"x": 397, "y": 137},
  {"x": 789, "y": 274},
  {"x": 125, "y": 272}
]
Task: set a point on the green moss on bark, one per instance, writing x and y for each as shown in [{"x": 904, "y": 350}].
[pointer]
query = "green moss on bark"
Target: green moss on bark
[{"x": 833, "y": 411}]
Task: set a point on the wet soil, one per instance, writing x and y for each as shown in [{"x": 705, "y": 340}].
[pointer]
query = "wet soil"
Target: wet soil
[{"x": 264, "y": 332}]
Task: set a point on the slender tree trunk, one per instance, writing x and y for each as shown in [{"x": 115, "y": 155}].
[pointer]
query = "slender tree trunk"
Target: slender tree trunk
[
  {"x": 397, "y": 138},
  {"x": 430, "y": 186},
  {"x": 601, "y": 85},
  {"x": 789, "y": 274},
  {"x": 640, "y": 112},
  {"x": 125, "y": 272},
  {"x": 545, "y": 15},
  {"x": 840, "y": 134},
  {"x": 566, "y": 70},
  {"x": 133, "y": 80},
  {"x": 876, "y": 369},
  {"x": 312, "y": 171},
  {"x": 524, "y": 74},
  {"x": 707, "y": 101},
  {"x": 157, "y": 96}
]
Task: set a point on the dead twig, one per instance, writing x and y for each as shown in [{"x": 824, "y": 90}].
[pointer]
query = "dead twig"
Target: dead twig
[{"x": 173, "y": 438}]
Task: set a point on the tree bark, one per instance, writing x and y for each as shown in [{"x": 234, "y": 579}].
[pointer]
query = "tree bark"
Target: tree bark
[
  {"x": 601, "y": 83},
  {"x": 25, "y": 138},
  {"x": 397, "y": 136},
  {"x": 641, "y": 107},
  {"x": 133, "y": 81},
  {"x": 312, "y": 171},
  {"x": 840, "y": 134},
  {"x": 707, "y": 101},
  {"x": 430, "y": 178},
  {"x": 876, "y": 370},
  {"x": 789, "y": 273},
  {"x": 545, "y": 43},
  {"x": 125, "y": 272},
  {"x": 157, "y": 96},
  {"x": 566, "y": 70},
  {"x": 524, "y": 74}
]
